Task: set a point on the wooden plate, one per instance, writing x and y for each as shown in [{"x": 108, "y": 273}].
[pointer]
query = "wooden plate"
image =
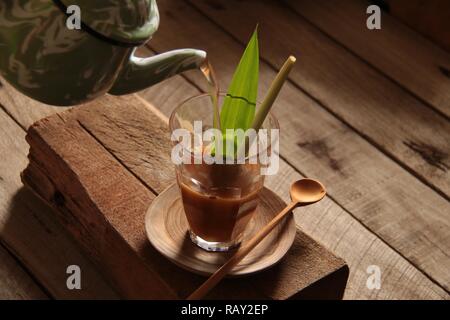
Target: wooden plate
[{"x": 167, "y": 230}]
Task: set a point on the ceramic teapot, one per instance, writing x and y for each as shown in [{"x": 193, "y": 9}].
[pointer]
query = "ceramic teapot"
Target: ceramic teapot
[{"x": 46, "y": 56}]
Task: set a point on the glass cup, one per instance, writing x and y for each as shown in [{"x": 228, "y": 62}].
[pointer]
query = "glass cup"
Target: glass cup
[{"x": 219, "y": 199}]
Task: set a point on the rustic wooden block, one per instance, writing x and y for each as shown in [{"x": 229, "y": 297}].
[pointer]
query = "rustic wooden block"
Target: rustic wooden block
[{"x": 102, "y": 164}]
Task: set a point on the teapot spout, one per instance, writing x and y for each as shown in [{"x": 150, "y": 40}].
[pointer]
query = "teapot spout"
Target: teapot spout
[{"x": 140, "y": 73}]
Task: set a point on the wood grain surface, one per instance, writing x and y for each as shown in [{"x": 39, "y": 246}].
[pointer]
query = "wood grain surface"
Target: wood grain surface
[
  {"x": 331, "y": 224},
  {"x": 430, "y": 18},
  {"x": 389, "y": 118},
  {"x": 328, "y": 222},
  {"x": 15, "y": 282},
  {"x": 364, "y": 226},
  {"x": 29, "y": 227},
  {"x": 398, "y": 52},
  {"x": 362, "y": 179}
]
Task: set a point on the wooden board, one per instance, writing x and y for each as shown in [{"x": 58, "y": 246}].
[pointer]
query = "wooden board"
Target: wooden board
[
  {"x": 76, "y": 165},
  {"x": 328, "y": 223},
  {"x": 397, "y": 51},
  {"x": 28, "y": 227},
  {"x": 376, "y": 108},
  {"x": 430, "y": 18},
  {"x": 387, "y": 199},
  {"x": 15, "y": 283}
]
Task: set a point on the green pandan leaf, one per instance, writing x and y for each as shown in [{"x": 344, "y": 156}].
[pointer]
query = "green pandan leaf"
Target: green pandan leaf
[{"x": 238, "y": 109}]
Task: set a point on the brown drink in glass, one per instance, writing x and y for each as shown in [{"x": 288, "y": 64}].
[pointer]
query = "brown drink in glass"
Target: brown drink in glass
[{"x": 219, "y": 199}]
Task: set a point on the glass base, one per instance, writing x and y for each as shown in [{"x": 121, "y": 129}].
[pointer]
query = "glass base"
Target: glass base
[{"x": 213, "y": 246}]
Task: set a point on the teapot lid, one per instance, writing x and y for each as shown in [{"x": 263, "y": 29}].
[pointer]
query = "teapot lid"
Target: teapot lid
[{"x": 125, "y": 21}]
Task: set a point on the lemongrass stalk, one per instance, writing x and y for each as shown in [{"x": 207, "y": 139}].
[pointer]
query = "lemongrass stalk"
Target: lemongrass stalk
[
  {"x": 273, "y": 92},
  {"x": 270, "y": 98}
]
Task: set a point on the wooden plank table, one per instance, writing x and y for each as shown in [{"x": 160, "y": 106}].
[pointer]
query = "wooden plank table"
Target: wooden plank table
[{"x": 365, "y": 112}]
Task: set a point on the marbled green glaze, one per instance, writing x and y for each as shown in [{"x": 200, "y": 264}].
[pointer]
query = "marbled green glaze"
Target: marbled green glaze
[
  {"x": 47, "y": 61},
  {"x": 126, "y": 21}
]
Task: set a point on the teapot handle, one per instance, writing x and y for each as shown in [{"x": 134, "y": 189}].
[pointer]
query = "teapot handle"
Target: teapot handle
[{"x": 140, "y": 73}]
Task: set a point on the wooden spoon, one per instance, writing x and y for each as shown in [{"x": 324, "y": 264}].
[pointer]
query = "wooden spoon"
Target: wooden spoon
[{"x": 303, "y": 192}]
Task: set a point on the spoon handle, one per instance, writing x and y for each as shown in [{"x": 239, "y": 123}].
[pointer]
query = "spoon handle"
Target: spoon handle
[{"x": 215, "y": 278}]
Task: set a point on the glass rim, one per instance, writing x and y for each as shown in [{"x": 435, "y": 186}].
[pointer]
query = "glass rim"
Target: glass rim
[{"x": 222, "y": 94}]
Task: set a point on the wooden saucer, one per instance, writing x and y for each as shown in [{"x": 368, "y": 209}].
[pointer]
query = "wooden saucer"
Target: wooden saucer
[{"x": 167, "y": 230}]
